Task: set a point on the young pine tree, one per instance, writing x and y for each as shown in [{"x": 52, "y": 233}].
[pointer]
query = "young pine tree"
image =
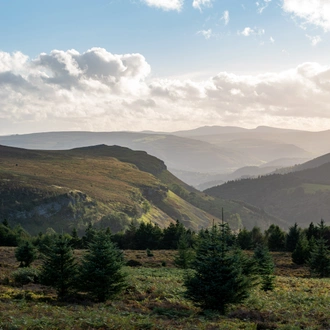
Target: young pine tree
[
  {"x": 319, "y": 261},
  {"x": 25, "y": 253},
  {"x": 264, "y": 266},
  {"x": 101, "y": 269},
  {"x": 218, "y": 277},
  {"x": 59, "y": 268},
  {"x": 301, "y": 253},
  {"x": 185, "y": 254}
]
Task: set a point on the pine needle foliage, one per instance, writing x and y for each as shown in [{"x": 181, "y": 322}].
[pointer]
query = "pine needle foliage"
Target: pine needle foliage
[
  {"x": 264, "y": 266},
  {"x": 218, "y": 277},
  {"x": 59, "y": 268},
  {"x": 319, "y": 262},
  {"x": 25, "y": 253},
  {"x": 100, "y": 272},
  {"x": 301, "y": 253},
  {"x": 185, "y": 254}
]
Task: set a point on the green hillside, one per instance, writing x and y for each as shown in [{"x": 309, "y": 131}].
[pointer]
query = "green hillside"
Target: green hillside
[
  {"x": 301, "y": 196},
  {"x": 107, "y": 186}
]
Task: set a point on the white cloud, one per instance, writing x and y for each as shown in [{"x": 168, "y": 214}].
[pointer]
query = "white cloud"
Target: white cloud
[
  {"x": 98, "y": 90},
  {"x": 165, "y": 4},
  {"x": 262, "y": 5},
  {"x": 271, "y": 39},
  {"x": 225, "y": 17},
  {"x": 199, "y": 4},
  {"x": 314, "y": 39},
  {"x": 207, "y": 34},
  {"x": 249, "y": 31},
  {"x": 316, "y": 12}
]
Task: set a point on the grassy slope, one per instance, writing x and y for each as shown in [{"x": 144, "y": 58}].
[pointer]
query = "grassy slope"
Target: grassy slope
[
  {"x": 62, "y": 189},
  {"x": 299, "y": 197},
  {"x": 154, "y": 300},
  {"x": 99, "y": 180}
]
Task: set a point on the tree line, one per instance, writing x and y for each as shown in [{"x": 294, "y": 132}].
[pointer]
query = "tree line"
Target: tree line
[{"x": 217, "y": 272}]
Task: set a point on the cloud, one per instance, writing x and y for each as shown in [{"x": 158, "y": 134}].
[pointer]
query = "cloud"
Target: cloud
[
  {"x": 315, "y": 12},
  {"x": 199, "y": 4},
  {"x": 262, "y": 5},
  {"x": 207, "y": 34},
  {"x": 314, "y": 39},
  {"x": 165, "y": 4},
  {"x": 272, "y": 40},
  {"x": 225, "y": 17},
  {"x": 249, "y": 31},
  {"x": 101, "y": 91}
]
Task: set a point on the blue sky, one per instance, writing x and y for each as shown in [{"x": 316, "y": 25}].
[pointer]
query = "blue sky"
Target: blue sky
[{"x": 190, "y": 63}]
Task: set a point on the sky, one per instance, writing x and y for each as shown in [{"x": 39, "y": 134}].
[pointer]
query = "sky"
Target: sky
[{"x": 163, "y": 65}]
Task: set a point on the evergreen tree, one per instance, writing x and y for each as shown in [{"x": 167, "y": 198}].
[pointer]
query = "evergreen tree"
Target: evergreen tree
[
  {"x": 264, "y": 267},
  {"x": 90, "y": 232},
  {"x": 185, "y": 254},
  {"x": 59, "y": 268},
  {"x": 301, "y": 253},
  {"x": 100, "y": 271},
  {"x": 244, "y": 239},
  {"x": 26, "y": 253},
  {"x": 172, "y": 235},
  {"x": 319, "y": 262},
  {"x": 257, "y": 237},
  {"x": 276, "y": 238},
  {"x": 292, "y": 237},
  {"x": 218, "y": 277},
  {"x": 75, "y": 240}
]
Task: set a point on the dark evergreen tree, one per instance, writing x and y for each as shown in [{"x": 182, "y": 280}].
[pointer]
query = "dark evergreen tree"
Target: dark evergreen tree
[
  {"x": 148, "y": 236},
  {"x": 292, "y": 237},
  {"x": 319, "y": 262},
  {"x": 101, "y": 269},
  {"x": 172, "y": 234},
  {"x": 264, "y": 267},
  {"x": 312, "y": 231},
  {"x": 276, "y": 238},
  {"x": 59, "y": 269},
  {"x": 185, "y": 254},
  {"x": 90, "y": 232},
  {"x": 301, "y": 253},
  {"x": 76, "y": 242},
  {"x": 257, "y": 237},
  {"x": 244, "y": 239},
  {"x": 26, "y": 253},
  {"x": 218, "y": 277}
]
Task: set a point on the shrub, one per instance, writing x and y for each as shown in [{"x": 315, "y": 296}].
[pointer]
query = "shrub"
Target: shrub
[
  {"x": 25, "y": 275},
  {"x": 26, "y": 253}
]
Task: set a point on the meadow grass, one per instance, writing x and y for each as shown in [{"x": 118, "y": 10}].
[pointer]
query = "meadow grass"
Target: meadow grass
[{"x": 154, "y": 299}]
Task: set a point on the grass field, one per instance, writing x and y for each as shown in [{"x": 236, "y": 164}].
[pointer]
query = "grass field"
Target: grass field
[{"x": 154, "y": 300}]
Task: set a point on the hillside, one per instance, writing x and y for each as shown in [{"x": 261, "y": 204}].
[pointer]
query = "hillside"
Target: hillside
[
  {"x": 107, "y": 186},
  {"x": 301, "y": 196}
]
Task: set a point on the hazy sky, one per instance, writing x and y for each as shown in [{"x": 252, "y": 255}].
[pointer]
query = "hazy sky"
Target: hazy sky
[{"x": 163, "y": 64}]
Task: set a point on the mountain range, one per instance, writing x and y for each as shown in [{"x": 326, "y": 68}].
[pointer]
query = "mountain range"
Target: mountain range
[{"x": 200, "y": 156}]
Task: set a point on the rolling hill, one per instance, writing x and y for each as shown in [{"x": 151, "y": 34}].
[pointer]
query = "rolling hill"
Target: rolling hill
[
  {"x": 107, "y": 186},
  {"x": 300, "y": 196}
]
